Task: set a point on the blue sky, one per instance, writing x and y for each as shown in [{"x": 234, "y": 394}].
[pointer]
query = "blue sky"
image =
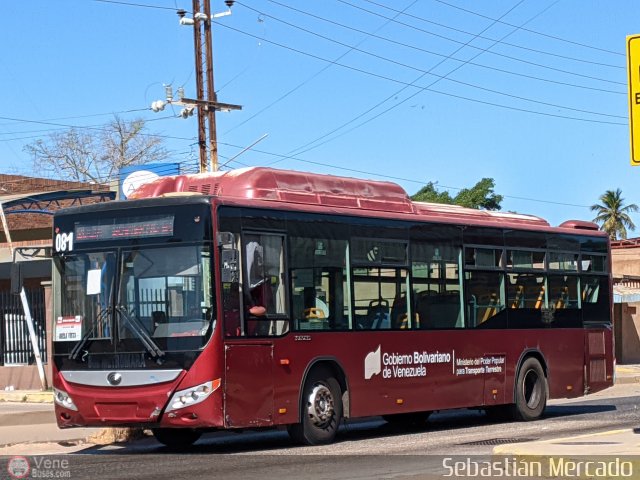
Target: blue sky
[{"x": 420, "y": 91}]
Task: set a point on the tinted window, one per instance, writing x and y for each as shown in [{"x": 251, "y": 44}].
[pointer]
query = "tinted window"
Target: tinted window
[
  {"x": 318, "y": 283},
  {"x": 484, "y": 293},
  {"x": 483, "y": 236},
  {"x": 436, "y": 286}
]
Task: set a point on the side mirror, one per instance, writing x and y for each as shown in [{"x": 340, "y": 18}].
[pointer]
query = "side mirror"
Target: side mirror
[
  {"x": 16, "y": 278},
  {"x": 226, "y": 239}
]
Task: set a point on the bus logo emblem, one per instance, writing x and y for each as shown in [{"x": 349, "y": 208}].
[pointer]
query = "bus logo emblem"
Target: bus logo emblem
[
  {"x": 114, "y": 378},
  {"x": 372, "y": 364}
]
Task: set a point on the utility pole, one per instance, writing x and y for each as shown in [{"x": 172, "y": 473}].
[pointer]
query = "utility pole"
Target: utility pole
[
  {"x": 206, "y": 99},
  {"x": 198, "y": 34},
  {"x": 212, "y": 98}
]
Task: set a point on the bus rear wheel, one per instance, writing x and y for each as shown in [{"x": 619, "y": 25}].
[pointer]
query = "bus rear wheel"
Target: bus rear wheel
[
  {"x": 321, "y": 409},
  {"x": 531, "y": 391},
  {"x": 176, "y": 438}
]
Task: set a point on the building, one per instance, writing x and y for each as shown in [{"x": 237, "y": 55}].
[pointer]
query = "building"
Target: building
[
  {"x": 625, "y": 255},
  {"x": 26, "y": 208}
]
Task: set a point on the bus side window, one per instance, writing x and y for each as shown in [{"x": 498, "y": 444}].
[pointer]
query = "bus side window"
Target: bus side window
[
  {"x": 317, "y": 283},
  {"x": 484, "y": 292},
  {"x": 436, "y": 285},
  {"x": 525, "y": 290},
  {"x": 230, "y": 280},
  {"x": 563, "y": 291},
  {"x": 265, "y": 305}
]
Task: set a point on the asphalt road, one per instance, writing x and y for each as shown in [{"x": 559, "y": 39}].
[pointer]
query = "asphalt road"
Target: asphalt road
[{"x": 368, "y": 448}]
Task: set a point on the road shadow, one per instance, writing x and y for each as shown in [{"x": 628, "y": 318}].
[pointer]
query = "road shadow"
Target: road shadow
[{"x": 229, "y": 442}]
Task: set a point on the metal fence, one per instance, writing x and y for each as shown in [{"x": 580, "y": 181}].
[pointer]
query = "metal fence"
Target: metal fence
[{"x": 15, "y": 343}]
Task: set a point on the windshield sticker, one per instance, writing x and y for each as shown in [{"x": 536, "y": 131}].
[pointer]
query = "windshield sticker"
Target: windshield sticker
[
  {"x": 68, "y": 329},
  {"x": 93, "y": 281}
]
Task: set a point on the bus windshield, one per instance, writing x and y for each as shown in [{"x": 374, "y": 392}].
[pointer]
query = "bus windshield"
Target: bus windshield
[{"x": 151, "y": 299}]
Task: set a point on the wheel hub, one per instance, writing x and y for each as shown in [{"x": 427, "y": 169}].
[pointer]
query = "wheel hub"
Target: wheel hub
[{"x": 320, "y": 406}]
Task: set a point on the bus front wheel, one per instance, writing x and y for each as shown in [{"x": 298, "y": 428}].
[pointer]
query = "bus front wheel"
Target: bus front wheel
[
  {"x": 531, "y": 391},
  {"x": 321, "y": 410},
  {"x": 176, "y": 438}
]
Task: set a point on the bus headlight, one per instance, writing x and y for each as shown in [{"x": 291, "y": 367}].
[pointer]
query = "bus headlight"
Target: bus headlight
[
  {"x": 193, "y": 395},
  {"x": 63, "y": 399}
]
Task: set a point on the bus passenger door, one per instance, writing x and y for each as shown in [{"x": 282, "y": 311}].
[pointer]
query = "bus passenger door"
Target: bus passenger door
[
  {"x": 599, "y": 359},
  {"x": 494, "y": 378},
  {"x": 248, "y": 398}
]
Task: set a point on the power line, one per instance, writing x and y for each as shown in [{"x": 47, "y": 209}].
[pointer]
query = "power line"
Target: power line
[
  {"x": 114, "y": 181},
  {"x": 472, "y": 85},
  {"x": 75, "y": 117},
  {"x": 315, "y": 75},
  {"x": 311, "y": 146},
  {"x": 446, "y": 57},
  {"x": 134, "y": 110},
  {"x": 132, "y": 4},
  {"x": 103, "y": 129},
  {"x": 515, "y": 59},
  {"x": 407, "y": 84},
  {"x": 392, "y": 177},
  {"x": 544, "y": 52},
  {"x": 532, "y": 31}
]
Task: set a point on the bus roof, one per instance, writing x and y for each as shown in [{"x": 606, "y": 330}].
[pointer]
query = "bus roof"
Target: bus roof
[{"x": 260, "y": 184}]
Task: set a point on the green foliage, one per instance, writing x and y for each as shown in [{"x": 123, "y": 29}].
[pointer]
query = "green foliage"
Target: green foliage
[
  {"x": 480, "y": 196},
  {"x": 428, "y": 193},
  {"x": 613, "y": 216}
]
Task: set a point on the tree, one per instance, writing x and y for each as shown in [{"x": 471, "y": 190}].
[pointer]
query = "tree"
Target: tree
[
  {"x": 613, "y": 216},
  {"x": 428, "y": 193},
  {"x": 481, "y": 195},
  {"x": 96, "y": 155}
]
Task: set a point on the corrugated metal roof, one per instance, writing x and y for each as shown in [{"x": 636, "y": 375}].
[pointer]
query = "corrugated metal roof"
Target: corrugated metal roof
[{"x": 626, "y": 294}]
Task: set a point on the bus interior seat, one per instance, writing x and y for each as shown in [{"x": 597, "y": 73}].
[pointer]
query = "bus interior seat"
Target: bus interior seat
[
  {"x": 378, "y": 314},
  {"x": 540, "y": 299},
  {"x": 518, "y": 300},
  {"x": 438, "y": 311},
  {"x": 399, "y": 317},
  {"x": 491, "y": 308},
  {"x": 158, "y": 317},
  {"x": 563, "y": 298}
]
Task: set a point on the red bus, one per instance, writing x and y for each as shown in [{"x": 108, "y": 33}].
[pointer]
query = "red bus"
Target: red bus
[{"x": 264, "y": 298}]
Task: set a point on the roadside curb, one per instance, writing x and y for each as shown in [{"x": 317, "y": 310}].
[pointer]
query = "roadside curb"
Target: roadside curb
[
  {"x": 52, "y": 447},
  {"x": 626, "y": 380},
  {"x": 627, "y": 374},
  {"x": 608, "y": 449},
  {"x": 22, "y": 396},
  {"x": 39, "y": 417}
]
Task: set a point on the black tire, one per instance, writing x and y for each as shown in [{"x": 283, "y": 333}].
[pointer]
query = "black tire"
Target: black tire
[
  {"x": 531, "y": 391},
  {"x": 176, "y": 438},
  {"x": 321, "y": 409},
  {"x": 413, "y": 419}
]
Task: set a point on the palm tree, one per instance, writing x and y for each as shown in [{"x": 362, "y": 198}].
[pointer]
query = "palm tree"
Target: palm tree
[{"x": 612, "y": 216}]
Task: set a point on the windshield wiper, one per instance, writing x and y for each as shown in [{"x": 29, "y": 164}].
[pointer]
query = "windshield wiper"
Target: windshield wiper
[
  {"x": 76, "y": 350},
  {"x": 138, "y": 329}
]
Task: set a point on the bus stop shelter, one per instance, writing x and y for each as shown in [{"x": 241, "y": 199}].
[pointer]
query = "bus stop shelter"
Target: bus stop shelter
[{"x": 29, "y": 242}]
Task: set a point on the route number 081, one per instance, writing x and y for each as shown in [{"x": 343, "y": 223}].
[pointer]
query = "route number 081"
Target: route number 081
[{"x": 64, "y": 242}]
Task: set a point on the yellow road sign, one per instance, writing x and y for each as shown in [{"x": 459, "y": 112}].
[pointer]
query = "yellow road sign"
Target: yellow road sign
[{"x": 633, "y": 70}]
